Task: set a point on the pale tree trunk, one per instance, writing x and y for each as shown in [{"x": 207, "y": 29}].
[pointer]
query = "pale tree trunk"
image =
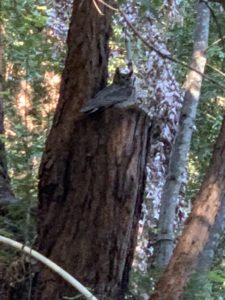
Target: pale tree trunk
[
  {"x": 181, "y": 146},
  {"x": 92, "y": 172},
  {"x": 197, "y": 228}
]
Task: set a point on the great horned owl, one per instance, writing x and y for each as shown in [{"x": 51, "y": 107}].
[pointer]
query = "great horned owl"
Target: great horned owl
[{"x": 121, "y": 93}]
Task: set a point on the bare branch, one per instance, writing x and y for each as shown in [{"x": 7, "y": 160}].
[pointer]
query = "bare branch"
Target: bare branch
[
  {"x": 53, "y": 266},
  {"x": 97, "y": 8}
]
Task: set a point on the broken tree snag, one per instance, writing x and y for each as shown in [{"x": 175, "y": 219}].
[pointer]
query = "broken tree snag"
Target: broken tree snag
[
  {"x": 92, "y": 172},
  {"x": 90, "y": 217}
]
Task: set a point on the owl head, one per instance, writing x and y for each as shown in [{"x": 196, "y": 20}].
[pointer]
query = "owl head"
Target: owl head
[{"x": 124, "y": 79}]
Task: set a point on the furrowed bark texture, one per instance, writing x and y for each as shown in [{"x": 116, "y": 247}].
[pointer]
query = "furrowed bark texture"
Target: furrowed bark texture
[
  {"x": 182, "y": 143},
  {"x": 95, "y": 217},
  {"x": 195, "y": 234},
  {"x": 92, "y": 172}
]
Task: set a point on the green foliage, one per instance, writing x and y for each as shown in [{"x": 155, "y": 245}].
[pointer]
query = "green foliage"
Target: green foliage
[
  {"x": 209, "y": 118},
  {"x": 217, "y": 278},
  {"x": 29, "y": 52},
  {"x": 142, "y": 284},
  {"x": 199, "y": 288},
  {"x": 217, "y": 274},
  {"x": 28, "y": 45},
  {"x": 152, "y": 6}
]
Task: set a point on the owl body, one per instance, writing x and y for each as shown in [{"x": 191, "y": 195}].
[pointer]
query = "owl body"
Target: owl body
[{"x": 121, "y": 91}]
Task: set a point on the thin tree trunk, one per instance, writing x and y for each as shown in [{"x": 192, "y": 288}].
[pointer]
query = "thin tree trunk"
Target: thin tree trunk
[
  {"x": 197, "y": 229},
  {"x": 181, "y": 147},
  {"x": 92, "y": 172}
]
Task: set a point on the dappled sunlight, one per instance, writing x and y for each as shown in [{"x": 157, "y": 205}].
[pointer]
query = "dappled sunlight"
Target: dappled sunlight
[
  {"x": 23, "y": 104},
  {"x": 220, "y": 101},
  {"x": 52, "y": 84},
  {"x": 30, "y": 113},
  {"x": 8, "y": 70},
  {"x": 194, "y": 79}
]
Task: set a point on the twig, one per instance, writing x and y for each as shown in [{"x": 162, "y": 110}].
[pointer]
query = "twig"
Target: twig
[
  {"x": 216, "y": 22},
  {"x": 214, "y": 43},
  {"x": 108, "y": 5},
  {"x": 216, "y": 70},
  {"x": 97, "y": 7}
]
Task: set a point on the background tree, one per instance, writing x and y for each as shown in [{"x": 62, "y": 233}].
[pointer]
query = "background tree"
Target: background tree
[
  {"x": 197, "y": 229},
  {"x": 182, "y": 143}
]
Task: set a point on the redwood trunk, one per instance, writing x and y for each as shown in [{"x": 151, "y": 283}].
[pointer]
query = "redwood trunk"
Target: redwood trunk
[
  {"x": 92, "y": 172},
  {"x": 194, "y": 237}
]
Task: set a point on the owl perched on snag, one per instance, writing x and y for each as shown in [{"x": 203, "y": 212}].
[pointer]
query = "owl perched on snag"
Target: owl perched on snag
[{"x": 120, "y": 93}]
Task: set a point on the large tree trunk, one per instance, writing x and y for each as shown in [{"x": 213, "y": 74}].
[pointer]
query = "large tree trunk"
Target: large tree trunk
[
  {"x": 201, "y": 220},
  {"x": 92, "y": 172}
]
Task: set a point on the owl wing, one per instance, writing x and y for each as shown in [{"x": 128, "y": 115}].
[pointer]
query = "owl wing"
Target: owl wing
[{"x": 109, "y": 96}]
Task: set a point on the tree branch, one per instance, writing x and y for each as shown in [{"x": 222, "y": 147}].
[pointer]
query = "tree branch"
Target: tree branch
[
  {"x": 53, "y": 266},
  {"x": 166, "y": 56}
]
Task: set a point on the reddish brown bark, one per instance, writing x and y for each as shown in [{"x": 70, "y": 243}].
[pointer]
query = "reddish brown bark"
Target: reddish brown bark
[
  {"x": 92, "y": 172},
  {"x": 194, "y": 237},
  {"x": 89, "y": 229}
]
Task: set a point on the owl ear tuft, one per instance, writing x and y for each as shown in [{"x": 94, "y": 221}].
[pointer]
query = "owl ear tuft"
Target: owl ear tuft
[
  {"x": 117, "y": 76},
  {"x": 117, "y": 71},
  {"x": 130, "y": 65}
]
